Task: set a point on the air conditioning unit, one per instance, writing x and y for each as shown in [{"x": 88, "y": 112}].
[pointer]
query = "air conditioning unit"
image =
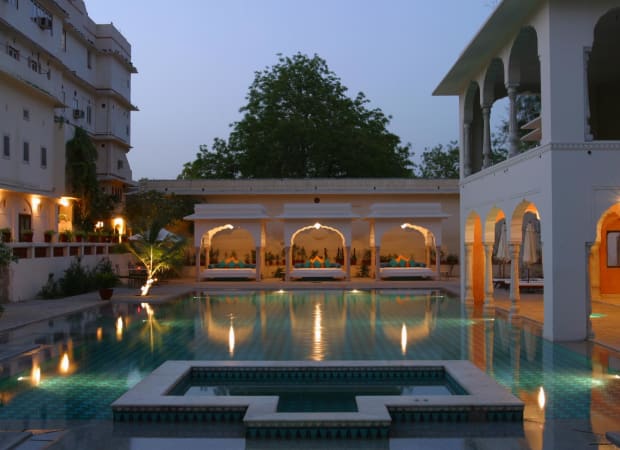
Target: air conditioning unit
[
  {"x": 45, "y": 23},
  {"x": 78, "y": 114}
]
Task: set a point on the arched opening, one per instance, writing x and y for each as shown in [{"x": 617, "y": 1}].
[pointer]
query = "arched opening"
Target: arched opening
[
  {"x": 603, "y": 76},
  {"x": 408, "y": 244},
  {"x": 474, "y": 128},
  {"x": 496, "y": 233},
  {"x": 524, "y": 77},
  {"x": 605, "y": 258},
  {"x": 494, "y": 89},
  {"x": 525, "y": 230},
  {"x": 475, "y": 261},
  {"x": 318, "y": 245},
  {"x": 229, "y": 246}
]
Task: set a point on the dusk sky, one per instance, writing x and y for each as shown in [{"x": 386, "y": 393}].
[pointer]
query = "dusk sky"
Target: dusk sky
[{"x": 197, "y": 58}]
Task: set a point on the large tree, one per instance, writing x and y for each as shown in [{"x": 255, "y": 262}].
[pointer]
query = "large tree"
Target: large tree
[
  {"x": 298, "y": 122},
  {"x": 439, "y": 162}
]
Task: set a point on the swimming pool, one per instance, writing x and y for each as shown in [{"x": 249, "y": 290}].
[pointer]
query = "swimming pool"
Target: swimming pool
[{"x": 75, "y": 367}]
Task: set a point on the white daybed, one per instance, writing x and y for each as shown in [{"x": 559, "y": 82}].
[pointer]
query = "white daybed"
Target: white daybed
[
  {"x": 226, "y": 272},
  {"x": 317, "y": 272},
  {"x": 406, "y": 272}
]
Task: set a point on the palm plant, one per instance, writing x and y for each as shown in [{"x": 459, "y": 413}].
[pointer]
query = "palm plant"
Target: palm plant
[{"x": 158, "y": 250}]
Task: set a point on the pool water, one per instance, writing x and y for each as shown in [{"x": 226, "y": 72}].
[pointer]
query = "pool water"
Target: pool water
[
  {"x": 85, "y": 361},
  {"x": 317, "y": 390}
]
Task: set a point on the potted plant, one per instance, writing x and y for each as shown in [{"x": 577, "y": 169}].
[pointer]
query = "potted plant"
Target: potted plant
[
  {"x": 48, "y": 235},
  {"x": 79, "y": 236},
  {"x": 25, "y": 235},
  {"x": 65, "y": 236},
  {"x": 5, "y": 234},
  {"x": 105, "y": 279}
]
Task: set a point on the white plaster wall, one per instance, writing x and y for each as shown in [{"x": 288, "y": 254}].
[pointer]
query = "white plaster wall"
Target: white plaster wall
[
  {"x": 39, "y": 131},
  {"x": 29, "y": 275}
]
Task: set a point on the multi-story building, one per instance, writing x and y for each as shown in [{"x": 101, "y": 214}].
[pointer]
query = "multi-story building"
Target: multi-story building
[
  {"x": 565, "y": 53},
  {"x": 58, "y": 70}
]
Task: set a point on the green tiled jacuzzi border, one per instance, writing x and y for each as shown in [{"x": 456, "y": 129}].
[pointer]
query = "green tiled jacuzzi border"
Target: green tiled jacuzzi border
[
  {"x": 319, "y": 375},
  {"x": 484, "y": 400}
]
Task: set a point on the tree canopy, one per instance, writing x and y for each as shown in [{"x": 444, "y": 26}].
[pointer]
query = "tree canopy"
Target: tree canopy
[
  {"x": 298, "y": 122},
  {"x": 439, "y": 162}
]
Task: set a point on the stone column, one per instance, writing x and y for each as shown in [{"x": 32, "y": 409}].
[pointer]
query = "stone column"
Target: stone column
[
  {"x": 287, "y": 263},
  {"x": 590, "y": 331},
  {"x": 347, "y": 262},
  {"x": 438, "y": 261},
  {"x": 469, "y": 272},
  {"x": 488, "y": 275},
  {"x": 513, "y": 135},
  {"x": 427, "y": 255},
  {"x": 197, "y": 249},
  {"x": 207, "y": 256},
  {"x": 486, "y": 138},
  {"x": 259, "y": 263},
  {"x": 466, "y": 148},
  {"x": 515, "y": 295},
  {"x": 377, "y": 263}
]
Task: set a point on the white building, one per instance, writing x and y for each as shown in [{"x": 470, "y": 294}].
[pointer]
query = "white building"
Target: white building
[
  {"x": 566, "y": 51},
  {"x": 301, "y": 225},
  {"x": 58, "y": 70}
]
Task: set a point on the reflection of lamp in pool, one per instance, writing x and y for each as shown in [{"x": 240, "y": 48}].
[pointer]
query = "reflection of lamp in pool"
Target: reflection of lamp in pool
[
  {"x": 35, "y": 375},
  {"x": 403, "y": 339},
  {"x": 541, "y": 398},
  {"x": 231, "y": 338},
  {"x": 119, "y": 328},
  {"x": 99, "y": 334},
  {"x": 317, "y": 347},
  {"x": 65, "y": 364}
]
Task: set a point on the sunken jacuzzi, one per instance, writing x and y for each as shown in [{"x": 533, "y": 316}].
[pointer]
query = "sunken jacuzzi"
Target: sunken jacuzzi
[{"x": 330, "y": 399}]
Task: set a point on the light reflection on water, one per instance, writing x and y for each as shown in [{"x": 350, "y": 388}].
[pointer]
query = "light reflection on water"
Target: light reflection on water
[{"x": 116, "y": 345}]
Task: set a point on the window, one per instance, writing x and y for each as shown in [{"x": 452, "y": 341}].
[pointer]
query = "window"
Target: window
[
  {"x": 119, "y": 164},
  {"x": 34, "y": 65},
  {"x": 76, "y": 104},
  {"x": 44, "y": 157},
  {"x": 12, "y": 52},
  {"x": 26, "y": 114},
  {"x": 63, "y": 40},
  {"x": 89, "y": 114},
  {"x": 6, "y": 146},
  {"x": 89, "y": 58},
  {"x": 127, "y": 130},
  {"x": 26, "y": 156}
]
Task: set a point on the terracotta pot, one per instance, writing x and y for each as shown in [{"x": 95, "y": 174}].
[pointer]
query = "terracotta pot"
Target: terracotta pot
[
  {"x": 63, "y": 238},
  {"x": 47, "y": 237},
  {"x": 26, "y": 237},
  {"x": 79, "y": 238}
]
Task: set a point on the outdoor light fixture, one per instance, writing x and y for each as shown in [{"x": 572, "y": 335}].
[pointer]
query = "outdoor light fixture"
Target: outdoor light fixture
[
  {"x": 64, "y": 201},
  {"x": 403, "y": 339},
  {"x": 36, "y": 201},
  {"x": 317, "y": 226}
]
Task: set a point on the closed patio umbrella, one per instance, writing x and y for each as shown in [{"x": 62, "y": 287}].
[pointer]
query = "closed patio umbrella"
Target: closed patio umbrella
[
  {"x": 530, "y": 248},
  {"x": 503, "y": 254}
]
